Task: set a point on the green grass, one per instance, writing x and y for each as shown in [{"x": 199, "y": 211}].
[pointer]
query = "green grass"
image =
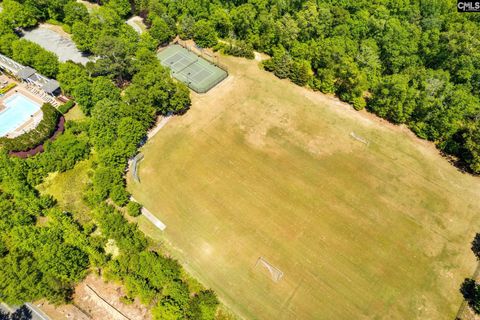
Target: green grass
[
  {"x": 67, "y": 188},
  {"x": 75, "y": 113},
  {"x": 260, "y": 167}
]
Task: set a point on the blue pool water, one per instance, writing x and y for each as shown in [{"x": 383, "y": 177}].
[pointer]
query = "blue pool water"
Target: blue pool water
[{"x": 18, "y": 110}]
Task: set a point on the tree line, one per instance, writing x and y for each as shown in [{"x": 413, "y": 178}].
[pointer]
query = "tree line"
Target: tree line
[
  {"x": 411, "y": 62},
  {"x": 46, "y": 251}
]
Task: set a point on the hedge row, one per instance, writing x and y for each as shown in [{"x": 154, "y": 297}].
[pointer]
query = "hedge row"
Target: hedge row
[
  {"x": 9, "y": 87},
  {"x": 36, "y": 136},
  {"x": 66, "y": 106}
]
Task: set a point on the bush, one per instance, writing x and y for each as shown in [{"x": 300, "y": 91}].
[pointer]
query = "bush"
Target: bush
[
  {"x": 66, "y": 106},
  {"x": 238, "y": 49},
  {"x": 134, "y": 209},
  {"x": 34, "y": 137},
  {"x": 9, "y": 87}
]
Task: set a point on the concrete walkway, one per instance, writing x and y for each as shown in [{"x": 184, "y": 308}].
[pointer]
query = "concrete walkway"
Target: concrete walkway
[
  {"x": 159, "y": 126},
  {"x": 151, "y": 217}
]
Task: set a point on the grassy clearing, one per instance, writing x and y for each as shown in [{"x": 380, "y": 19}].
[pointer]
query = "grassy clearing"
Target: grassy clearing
[
  {"x": 67, "y": 188},
  {"x": 75, "y": 114},
  {"x": 260, "y": 167}
]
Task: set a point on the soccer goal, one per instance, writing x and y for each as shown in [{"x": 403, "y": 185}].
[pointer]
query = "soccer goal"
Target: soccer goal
[
  {"x": 359, "y": 138},
  {"x": 275, "y": 273},
  {"x": 135, "y": 162}
]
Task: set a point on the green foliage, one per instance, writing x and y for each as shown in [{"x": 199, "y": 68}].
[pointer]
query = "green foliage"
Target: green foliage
[
  {"x": 394, "y": 98},
  {"x": 472, "y": 147},
  {"x": 36, "y": 136},
  {"x": 204, "y": 305},
  {"x": 8, "y": 87},
  {"x": 64, "y": 108},
  {"x": 204, "y": 34},
  {"x": 75, "y": 11},
  {"x": 134, "y": 209},
  {"x": 160, "y": 30},
  {"x": 122, "y": 7},
  {"x": 113, "y": 225},
  {"x": 388, "y": 57},
  {"x": 18, "y": 14},
  {"x": 60, "y": 155},
  {"x": 237, "y": 49},
  {"x": 36, "y": 261},
  {"x": 470, "y": 290},
  {"x": 31, "y": 54},
  {"x": 44, "y": 258}
]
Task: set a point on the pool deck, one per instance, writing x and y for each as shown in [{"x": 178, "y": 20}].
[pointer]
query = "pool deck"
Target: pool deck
[{"x": 31, "y": 93}]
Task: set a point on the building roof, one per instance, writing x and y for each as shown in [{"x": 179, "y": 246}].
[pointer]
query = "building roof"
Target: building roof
[
  {"x": 9, "y": 64},
  {"x": 25, "y": 72},
  {"x": 29, "y": 74},
  {"x": 51, "y": 86}
]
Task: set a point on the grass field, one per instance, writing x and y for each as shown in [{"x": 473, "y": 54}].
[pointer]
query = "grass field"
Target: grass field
[
  {"x": 260, "y": 167},
  {"x": 67, "y": 188}
]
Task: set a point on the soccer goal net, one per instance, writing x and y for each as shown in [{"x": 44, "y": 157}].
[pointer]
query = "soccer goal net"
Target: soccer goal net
[
  {"x": 359, "y": 138},
  {"x": 135, "y": 162},
  {"x": 275, "y": 273}
]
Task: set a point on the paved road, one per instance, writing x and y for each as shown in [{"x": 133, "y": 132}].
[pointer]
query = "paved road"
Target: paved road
[{"x": 37, "y": 314}]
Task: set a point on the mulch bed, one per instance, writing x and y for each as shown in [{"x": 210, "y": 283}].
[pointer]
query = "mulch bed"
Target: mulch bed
[{"x": 38, "y": 149}]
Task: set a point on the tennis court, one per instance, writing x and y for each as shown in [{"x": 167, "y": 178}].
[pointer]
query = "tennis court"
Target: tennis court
[{"x": 197, "y": 73}]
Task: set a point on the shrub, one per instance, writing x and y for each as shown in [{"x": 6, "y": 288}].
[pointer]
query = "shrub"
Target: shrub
[
  {"x": 134, "y": 209},
  {"x": 9, "y": 87},
  {"x": 66, "y": 106},
  {"x": 238, "y": 49}
]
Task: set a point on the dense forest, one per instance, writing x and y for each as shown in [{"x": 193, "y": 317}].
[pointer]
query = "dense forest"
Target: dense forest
[{"x": 411, "y": 62}]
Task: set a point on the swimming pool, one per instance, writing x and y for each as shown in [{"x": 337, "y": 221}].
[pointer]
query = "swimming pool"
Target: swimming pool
[{"x": 18, "y": 110}]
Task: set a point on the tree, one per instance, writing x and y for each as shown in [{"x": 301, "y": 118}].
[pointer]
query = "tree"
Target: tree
[
  {"x": 122, "y": 7},
  {"x": 22, "y": 313},
  {"x": 221, "y": 21},
  {"x": 115, "y": 57},
  {"x": 399, "y": 45},
  {"x": 187, "y": 27},
  {"x": 301, "y": 72},
  {"x": 75, "y": 11},
  {"x": 161, "y": 31},
  {"x": 29, "y": 53},
  {"x": 394, "y": 98},
  {"x": 134, "y": 209},
  {"x": 204, "y": 34},
  {"x": 287, "y": 31},
  {"x": 180, "y": 101},
  {"x": 83, "y": 36},
  {"x": 280, "y": 64},
  {"x": 472, "y": 147},
  {"x": 476, "y": 246},
  {"x": 104, "y": 88},
  {"x": 471, "y": 293},
  {"x": 18, "y": 15},
  {"x": 204, "y": 305}
]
